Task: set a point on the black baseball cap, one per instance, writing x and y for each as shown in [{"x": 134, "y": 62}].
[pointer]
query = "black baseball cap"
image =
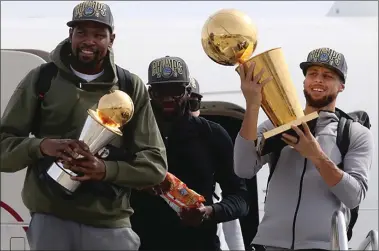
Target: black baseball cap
[
  {"x": 328, "y": 58},
  {"x": 195, "y": 87},
  {"x": 168, "y": 70},
  {"x": 92, "y": 11}
]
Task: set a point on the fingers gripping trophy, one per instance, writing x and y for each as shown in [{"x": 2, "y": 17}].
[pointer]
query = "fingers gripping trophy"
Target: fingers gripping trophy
[
  {"x": 114, "y": 110},
  {"x": 229, "y": 38}
]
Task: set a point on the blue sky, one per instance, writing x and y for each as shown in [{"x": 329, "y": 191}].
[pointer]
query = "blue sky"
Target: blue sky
[{"x": 170, "y": 8}]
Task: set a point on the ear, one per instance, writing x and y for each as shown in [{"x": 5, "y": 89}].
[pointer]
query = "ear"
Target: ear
[
  {"x": 149, "y": 90},
  {"x": 70, "y": 32},
  {"x": 112, "y": 38},
  {"x": 341, "y": 87}
]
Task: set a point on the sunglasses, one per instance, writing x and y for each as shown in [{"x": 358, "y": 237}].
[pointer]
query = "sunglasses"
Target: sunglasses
[{"x": 167, "y": 90}]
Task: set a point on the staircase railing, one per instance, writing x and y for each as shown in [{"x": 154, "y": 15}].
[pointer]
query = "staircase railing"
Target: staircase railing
[
  {"x": 370, "y": 240},
  {"x": 338, "y": 236}
]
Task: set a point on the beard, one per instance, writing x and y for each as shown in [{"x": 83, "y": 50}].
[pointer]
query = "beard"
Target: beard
[
  {"x": 81, "y": 62},
  {"x": 177, "y": 109},
  {"x": 319, "y": 103}
]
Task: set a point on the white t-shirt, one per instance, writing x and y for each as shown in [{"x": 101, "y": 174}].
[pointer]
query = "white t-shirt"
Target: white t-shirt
[{"x": 87, "y": 77}]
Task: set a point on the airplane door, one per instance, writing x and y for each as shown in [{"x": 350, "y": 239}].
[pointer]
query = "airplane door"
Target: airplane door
[{"x": 14, "y": 215}]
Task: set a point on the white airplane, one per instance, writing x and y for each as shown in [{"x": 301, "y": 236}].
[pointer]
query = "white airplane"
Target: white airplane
[{"x": 25, "y": 43}]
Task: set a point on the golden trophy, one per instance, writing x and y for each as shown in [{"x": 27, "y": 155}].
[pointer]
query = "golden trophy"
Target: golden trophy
[
  {"x": 114, "y": 110},
  {"x": 229, "y": 38}
]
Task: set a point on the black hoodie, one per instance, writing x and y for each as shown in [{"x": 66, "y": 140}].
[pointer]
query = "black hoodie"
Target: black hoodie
[{"x": 199, "y": 158}]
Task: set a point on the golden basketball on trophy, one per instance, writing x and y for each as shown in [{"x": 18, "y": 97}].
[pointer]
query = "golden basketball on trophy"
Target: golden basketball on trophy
[{"x": 229, "y": 37}]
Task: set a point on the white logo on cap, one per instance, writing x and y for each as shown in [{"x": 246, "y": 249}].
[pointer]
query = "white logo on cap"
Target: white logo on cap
[
  {"x": 166, "y": 67},
  {"x": 90, "y": 8}
]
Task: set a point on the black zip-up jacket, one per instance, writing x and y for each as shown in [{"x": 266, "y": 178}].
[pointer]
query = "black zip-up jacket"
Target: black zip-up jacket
[{"x": 198, "y": 158}]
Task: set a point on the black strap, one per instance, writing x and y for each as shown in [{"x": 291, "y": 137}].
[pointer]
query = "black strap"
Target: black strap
[
  {"x": 125, "y": 81},
  {"x": 47, "y": 72},
  {"x": 343, "y": 136},
  {"x": 343, "y": 142}
]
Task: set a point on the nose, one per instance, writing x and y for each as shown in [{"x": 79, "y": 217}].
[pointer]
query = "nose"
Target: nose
[
  {"x": 319, "y": 78},
  {"x": 89, "y": 42}
]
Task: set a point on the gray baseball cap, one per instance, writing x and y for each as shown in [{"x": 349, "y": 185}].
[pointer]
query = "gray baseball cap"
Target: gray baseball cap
[
  {"x": 328, "y": 58},
  {"x": 92, "y": 11},
  {"x": 195, "y": 87},
  {"x": 168, "y": 70}
]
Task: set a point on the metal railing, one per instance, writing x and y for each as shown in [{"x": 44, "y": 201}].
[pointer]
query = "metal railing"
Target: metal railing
[
  {"x": 370, "y": 241},
  {"x": 338, "y": 236}
]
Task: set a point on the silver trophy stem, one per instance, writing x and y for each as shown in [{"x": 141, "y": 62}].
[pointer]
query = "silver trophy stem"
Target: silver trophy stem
[{"x": 96, "y": 136}]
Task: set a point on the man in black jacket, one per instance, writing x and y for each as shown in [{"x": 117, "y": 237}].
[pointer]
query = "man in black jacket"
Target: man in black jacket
[
  {"x": 229, "y": 233},
  {"x": 199, "y": 154}
]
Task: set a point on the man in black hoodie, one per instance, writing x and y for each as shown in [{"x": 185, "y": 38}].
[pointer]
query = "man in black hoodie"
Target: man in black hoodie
[{"x": 200, "y": 154}]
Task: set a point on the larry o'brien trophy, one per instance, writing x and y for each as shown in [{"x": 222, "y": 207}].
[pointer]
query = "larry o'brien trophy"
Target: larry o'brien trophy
[
  {"x": 114, "y": 110},
  {"x": 229, "y": 37}
]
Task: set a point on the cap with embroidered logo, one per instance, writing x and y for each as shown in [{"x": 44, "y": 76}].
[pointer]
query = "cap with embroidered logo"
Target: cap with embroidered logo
[
  {"x": 328, "y": 58},
  {"x": 92, "y": 11},
  {"x": 168, "y": 70}
]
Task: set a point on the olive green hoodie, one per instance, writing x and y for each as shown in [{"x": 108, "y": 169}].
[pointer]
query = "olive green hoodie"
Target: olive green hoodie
[{"x": 63, "y": 116}]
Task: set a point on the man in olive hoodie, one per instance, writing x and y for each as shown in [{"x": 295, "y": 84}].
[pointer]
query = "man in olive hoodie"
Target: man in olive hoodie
[{"x": 86, "y": 72}]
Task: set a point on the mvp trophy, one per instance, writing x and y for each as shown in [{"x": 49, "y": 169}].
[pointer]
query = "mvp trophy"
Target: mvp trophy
[
  {"x": 229, "y": 37},
  {"x": 114, "y": 111}
]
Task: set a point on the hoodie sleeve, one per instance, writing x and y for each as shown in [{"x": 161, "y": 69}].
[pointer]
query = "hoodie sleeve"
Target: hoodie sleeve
[
  {"x": 247, "y": 161},
  {"x": 353, "y": 186},
  {"x": 18, "y": 150},
  {"x": 234, "y": 192},
  {"x": 149, "y": 167}
]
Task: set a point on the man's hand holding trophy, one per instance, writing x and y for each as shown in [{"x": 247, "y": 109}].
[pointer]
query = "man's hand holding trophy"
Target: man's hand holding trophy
[
  {"x": 76, "y": 159},
  {"x": 251, "y": 85},
  {"x": 63, "y": 149},
  {"x": 229, "y": 37}
]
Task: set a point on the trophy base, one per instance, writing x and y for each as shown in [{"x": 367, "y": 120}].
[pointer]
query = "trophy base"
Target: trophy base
[
  {"x": 62, "y": 177},
  {"x": 272, "y": 141}
]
